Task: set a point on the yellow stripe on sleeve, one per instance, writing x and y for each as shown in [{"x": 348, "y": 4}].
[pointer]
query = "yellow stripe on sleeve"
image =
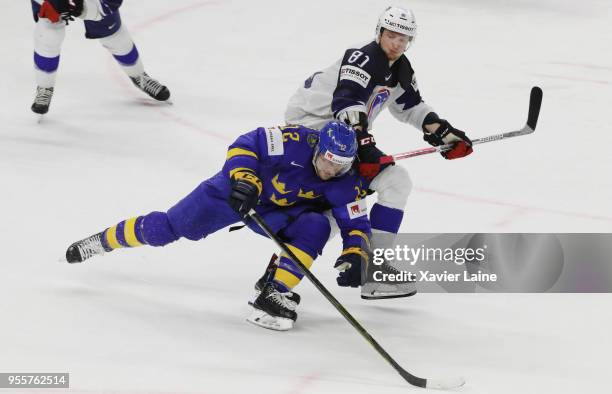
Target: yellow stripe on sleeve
[
  {"x": 129, "y": 232},
  {"x": 358, "y": 251},
  {"x": 240, "y": 169},
  {"x": 239, "y": 152},
  {"x": 111, "y": 238},
  {"x": 362, "y": 235}
]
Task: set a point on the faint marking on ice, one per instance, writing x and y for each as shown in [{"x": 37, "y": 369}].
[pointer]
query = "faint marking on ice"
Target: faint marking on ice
[
  {"x": 171, "y": 14},
  {"x": 582, "y": 65},
  {"x": 473, "y": 199},
  {"x": 160, "y": 107},
  {"x": 577, "y": 79}
]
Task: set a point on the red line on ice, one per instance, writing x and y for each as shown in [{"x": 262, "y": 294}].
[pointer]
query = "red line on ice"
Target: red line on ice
[
  {"x": 516, "y": 206},
  {"x": 121, "y": 81}
]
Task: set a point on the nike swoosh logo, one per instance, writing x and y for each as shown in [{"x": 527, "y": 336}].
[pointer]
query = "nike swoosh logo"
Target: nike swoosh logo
[
  {"x": 111, "y": 26},
  {"x": 293, "y": 163},
  {"x": 388, "y": 78}
]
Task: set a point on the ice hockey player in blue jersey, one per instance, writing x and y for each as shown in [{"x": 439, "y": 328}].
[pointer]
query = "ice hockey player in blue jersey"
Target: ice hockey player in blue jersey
[
  {"x": 289, "y": 175},
  {"x": 102, "y": 22},
  {"x": 367, "y": 79}
]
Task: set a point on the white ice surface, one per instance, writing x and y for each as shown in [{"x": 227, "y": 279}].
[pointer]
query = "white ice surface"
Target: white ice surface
[{"x": 172, "y": 319}]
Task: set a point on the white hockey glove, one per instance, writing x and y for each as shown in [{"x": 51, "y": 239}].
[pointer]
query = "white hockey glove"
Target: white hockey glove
[{"x": 356, "y": 119}]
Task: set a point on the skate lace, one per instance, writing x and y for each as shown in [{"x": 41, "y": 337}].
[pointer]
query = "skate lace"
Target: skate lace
[
  {"x": 43, "y": 96},
  {"x": 150, "y": 85},
  {"x": 90, "y": 247},
  {"x": 281, "y": 299}
]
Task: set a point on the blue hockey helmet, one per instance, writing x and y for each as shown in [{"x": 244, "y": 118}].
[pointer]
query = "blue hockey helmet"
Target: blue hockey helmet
[{"x": 337, "y": 145}]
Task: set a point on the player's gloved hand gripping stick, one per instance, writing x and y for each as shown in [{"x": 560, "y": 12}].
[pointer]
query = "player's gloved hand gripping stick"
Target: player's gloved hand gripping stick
[{"x": 535, "y": 102}]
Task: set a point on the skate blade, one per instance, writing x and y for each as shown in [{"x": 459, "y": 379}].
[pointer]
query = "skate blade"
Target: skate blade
[
  {"x": 383, "y": 296},
  {"x": 262, "y": 319}
]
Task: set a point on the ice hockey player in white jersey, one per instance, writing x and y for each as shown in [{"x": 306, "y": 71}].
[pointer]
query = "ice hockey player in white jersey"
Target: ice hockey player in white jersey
[
  {"x": 355, "y": 89},
  {"x": 102, "y": 22}
]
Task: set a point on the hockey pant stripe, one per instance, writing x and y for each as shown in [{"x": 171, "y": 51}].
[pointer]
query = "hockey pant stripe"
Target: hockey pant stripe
[
  {"x": 288, "y": 274},
  {"x": 46, "y": 64},
  {"x": 128, "y": 59}
]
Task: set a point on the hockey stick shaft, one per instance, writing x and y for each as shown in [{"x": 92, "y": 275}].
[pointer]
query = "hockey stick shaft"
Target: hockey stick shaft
[
  {"x": 413, "y": 380},
  {"x": 535, "y": 102}
]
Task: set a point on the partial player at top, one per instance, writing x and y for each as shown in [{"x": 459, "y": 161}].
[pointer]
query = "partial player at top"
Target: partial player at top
[{"x": 102, "y": 22}]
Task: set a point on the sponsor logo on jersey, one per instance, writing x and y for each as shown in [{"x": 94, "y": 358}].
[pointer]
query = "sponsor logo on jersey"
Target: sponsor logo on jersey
[
  {"x": 355, "y": 74},
  {"x": 274, "y": 139},
  {"x": 357, "y": 209}
]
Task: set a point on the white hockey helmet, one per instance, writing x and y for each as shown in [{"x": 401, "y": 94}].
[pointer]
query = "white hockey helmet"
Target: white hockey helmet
[{"x": 399, "y": 20}]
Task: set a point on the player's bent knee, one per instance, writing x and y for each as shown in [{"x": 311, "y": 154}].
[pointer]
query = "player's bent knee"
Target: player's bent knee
[
  {"x": 157, "y": 230},
  {"x": 311, "y": 229},
  {"x": 48, "y": 37},
  {"x": 393, "y": 186},
  {"x": 118, "y": 43}
]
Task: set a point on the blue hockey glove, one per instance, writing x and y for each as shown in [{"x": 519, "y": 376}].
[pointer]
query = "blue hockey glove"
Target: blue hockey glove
[
  {"x": 246, "y": 188},
  {"x": 350, "y": 265}
]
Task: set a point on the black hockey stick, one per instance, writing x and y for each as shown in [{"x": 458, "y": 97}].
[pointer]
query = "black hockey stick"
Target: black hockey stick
[
  {"x": 442, "y": 384},
  {"x": 535, "y": 102}
]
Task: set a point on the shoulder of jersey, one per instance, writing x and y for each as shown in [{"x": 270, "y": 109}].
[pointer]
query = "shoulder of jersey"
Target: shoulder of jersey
[
  {"x": 308, "y": 135},
  {"x": 404, "y": 72},
  {"x": 369, "y": 58},
  {"x": 299, "y": 143},
  {"x": 373, "y": 51}
]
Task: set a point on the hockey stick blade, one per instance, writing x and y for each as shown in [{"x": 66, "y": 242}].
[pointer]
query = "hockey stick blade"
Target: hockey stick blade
[
  {"x": 535, "y": 102},
  {"x": 434, "y": 384},
  {"x": 441, "y": 384},
  {"x": 445, "y": 384}
]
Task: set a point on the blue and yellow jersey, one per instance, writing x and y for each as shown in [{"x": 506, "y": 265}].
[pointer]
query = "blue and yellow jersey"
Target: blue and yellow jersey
[{"x": 282, "y": 158}]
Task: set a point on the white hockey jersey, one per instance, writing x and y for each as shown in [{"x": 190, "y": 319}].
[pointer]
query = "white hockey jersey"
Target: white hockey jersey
[{"x": 362, "y": 80}]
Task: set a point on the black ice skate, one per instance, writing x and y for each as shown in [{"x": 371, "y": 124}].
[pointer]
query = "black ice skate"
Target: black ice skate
[
  {"x": 267, "y": 277},
  {"x": 86, "y": 248},
  {"x": 273, "y": 310},
  {"x": 151, "y": 86},
  {"x": 42, "y": 100},
  {"x": 380, "y": 290}
]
